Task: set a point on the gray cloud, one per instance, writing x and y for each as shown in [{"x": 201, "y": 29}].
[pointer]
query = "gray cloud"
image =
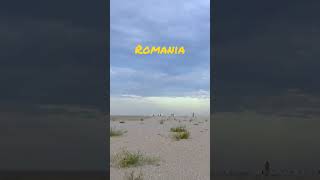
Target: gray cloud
[
  {"x": 264, "y": 50},
  {"x": 165, "y": 23},
  {"x": 50, "y": 61}
]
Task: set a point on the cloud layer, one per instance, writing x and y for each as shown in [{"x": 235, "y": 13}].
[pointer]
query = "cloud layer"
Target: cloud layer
[
  {"x": 165, "y": 23},
  {"x": 265, "y": 49}
]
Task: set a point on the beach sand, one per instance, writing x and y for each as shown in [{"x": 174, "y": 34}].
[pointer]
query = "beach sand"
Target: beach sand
[{"x": 186, "y": 159}]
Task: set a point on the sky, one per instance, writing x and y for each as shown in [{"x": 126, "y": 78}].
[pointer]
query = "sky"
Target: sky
[
  {"x": 52, "y": 58},
  {"x": 52, "y": 52},
  {"x": 267, "y": 84},
  {"x": 267, "y": 54},
  {"x": 160, "y": 83}
]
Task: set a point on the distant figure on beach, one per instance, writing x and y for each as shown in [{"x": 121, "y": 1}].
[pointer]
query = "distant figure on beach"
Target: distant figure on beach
[{"x": 266, "y": 170}]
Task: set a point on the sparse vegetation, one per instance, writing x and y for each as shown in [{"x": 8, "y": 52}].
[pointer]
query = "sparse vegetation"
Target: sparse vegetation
[
  {"x": 126, "y": 159},
  {"x": 161, "y": 121},
  {"x": 178, "y": 129},
  {"x": 180, "y": 132},
  {"x": 132, "y": 176},
  {"x": 141, "y": 119},
  {"x": 114, "y": 132},
  {"x": 181, "y": 135}
]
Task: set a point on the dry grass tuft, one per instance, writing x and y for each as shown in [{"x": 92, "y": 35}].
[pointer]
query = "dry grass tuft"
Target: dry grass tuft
[
  {"x": 178, "y": 129},
  {"x": 114, "y": 132},
  {"x": 181, "y": 135},
  {"x": 125, "y": 159},
  {"x": 180, "y": 132}
]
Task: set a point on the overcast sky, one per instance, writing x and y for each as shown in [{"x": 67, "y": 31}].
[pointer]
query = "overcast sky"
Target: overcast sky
[
  {"x": 52, "y": 52},
  {"x": 51, "y": 57},
  {"x": 267, "y": 53},
  {"x": 160, "y": 83}
]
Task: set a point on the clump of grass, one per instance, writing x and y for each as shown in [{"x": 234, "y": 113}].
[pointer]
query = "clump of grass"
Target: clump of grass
[
  {"x": 180, "y": 132},
  {"x": 181, "y": 135},
  {"x": 125, "y": 159},
  {"x": 114, "y": 132},
  {"x": 141, "y": 119},
  {"x": 132, "y": 176},
  {"x": 178, "y": 129},
  {"x": 161, "y": 121}
]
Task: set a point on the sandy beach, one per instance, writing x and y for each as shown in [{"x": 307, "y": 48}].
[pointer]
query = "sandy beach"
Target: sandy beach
[{"x": 184, "y": 159}]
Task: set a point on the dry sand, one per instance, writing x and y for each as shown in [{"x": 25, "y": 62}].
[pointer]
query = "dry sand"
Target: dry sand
[{"x": 187, "y": 159}]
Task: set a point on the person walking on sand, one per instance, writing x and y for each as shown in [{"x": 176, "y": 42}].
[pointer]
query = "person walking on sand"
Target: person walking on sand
[{"x": 267, "y": 168}]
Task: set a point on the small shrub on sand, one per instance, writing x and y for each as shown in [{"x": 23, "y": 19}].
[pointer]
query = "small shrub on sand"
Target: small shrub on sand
[
  {"x": 114, "y": 132},
  {"x": 178, "y": 129},
  {"x": 181, "y": 135},
  {"x": 141, "y": 119},
  {"x": 126, "y": 159},
  {"x": 132, "y": 176},
  {"x": 161, "y": 121}
]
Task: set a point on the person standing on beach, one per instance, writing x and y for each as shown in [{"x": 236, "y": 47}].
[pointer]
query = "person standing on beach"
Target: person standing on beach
[{"x": 267, "y": 168}]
